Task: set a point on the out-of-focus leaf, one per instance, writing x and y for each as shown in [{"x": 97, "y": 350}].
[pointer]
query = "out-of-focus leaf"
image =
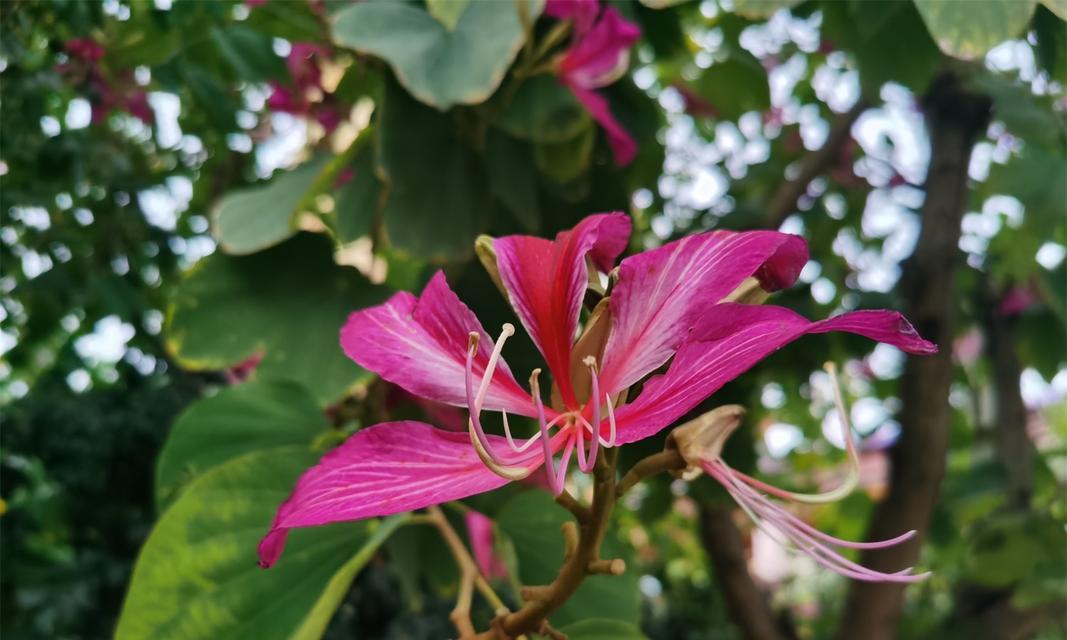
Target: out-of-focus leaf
[
  {"x": 602, "y": 629},
  {"x": 255, "y": 415},
  {"x": 761, "y": 9},
  {"x": 249, "y": 52},
  {"x": 261, "y": 216},
  {"x": 447, "y": 12},
  {"x": 1019, "y": 110},
  {"x": 1058, "y": 7},
  {"x": 734, "y": 86},
  {"x": 532, "y": 521},
  {"x": 440, "y": 66},
  {"x": 967, "y": 30},
  {"x": 567, "y": 160},
  {"x": 358, "y": 199},
  {"x": 543, "y": 110},
  {"x": 509, "y": 164},
  {"x": 288, "y": 302},
  {"x": 437, "y": 199},
  {"x": 197, "y": 577}
]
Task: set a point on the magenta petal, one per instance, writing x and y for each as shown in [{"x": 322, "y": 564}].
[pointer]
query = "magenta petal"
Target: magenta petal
[
  {"x": 600, "y": 55},
  {"x": 421, "y": 345},
  {"x": 385, "y": 469},
  {"x": 622, "y": 144},
  {"x": 546, "y": 280},
  {"x": 730, "y": 340},
  {"x": 480, "y": 532},
  {"x": 582, "y": 12},
  {"x": 662, "y": 293}
]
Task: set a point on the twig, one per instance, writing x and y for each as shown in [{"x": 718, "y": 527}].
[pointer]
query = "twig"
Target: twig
[
  {"x": 784, "y": 201},
  {"x": 470, "y": 576},
  {"x": 669, "y": 460},
  {"x": 568, "y": 502}
]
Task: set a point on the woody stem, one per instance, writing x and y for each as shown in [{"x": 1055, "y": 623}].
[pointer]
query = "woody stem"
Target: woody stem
[
  {"x": 471, "y": 577},
  {"x": 581, "y": 561},
  {"x": 669, "y": 460}
]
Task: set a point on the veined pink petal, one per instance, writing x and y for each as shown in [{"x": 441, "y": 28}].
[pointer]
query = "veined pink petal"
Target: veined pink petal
[
  {"x": 582, "y": 12},
  {"x": 546, "y": 279},
  {"x": 480, "y": 532},
  {"x": 421, "y": 345},
  {"x": 661, "y": 294},
  {"x": 730, "y": 340},
  {"x": 385, "y": 469},
  {"x": 600, "y": 56},
  {"x": 622, "y": 144}
]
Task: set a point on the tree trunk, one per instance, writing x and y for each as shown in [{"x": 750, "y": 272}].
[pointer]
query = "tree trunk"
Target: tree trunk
[{"x": 954, "y": 119}]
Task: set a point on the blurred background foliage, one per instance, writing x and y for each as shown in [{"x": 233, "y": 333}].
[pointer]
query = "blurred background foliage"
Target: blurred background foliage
[{"x": 195, "y": 194}]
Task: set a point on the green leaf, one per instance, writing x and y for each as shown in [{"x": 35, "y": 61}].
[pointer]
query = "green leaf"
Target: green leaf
[
  {"x": 967, "y": 30},
  {"x": 441, "y": 183},
  {"x": 565, "y": 161},
  {"x": 440, "y": 66},
  {"x": 252, "y": 219},
  {"x": 358, "y": 200},
  {"x": 1017, "y": 107},
  {"x": 734, "y": 86},
  {"x": 249, "y": 52},
  {"x": 1058, "y": 7},
  {"x": 447, "y": 12},
  {"x": 288, "y": 302},
  {"x": 509, "y": 164},
  {"x": 761, "y": 9},
  {"x": 532, "y": 521},
  {"x": 543, "y": 110},
  {"x": 197, "y": 577},
  {"x": 258, "y": 414},
  {"x": 602, "y": 629}
]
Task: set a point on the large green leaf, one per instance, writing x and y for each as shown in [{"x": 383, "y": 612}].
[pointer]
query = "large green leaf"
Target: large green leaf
[
  {"x": 532, "y": 521},
  {"x": 440, "y": 64},
  {"x": 760, "y": 9},
  {"x": 258, "y": 414},
  {"x": 197, "y": 576},
  {"x": 967, "y": 29},
  {"x": 438, "y": 202},
  {"x": 288, "y": 302},
  {"x": 357, "y": 201},
  {"x": 254, "y": 218},
  {"x": 543, "y": 110},
  {"x": 1058, "y": 7}
]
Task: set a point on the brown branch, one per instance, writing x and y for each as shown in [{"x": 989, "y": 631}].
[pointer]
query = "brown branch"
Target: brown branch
[
  {"x": 1012, "y": 444},
  {"x": 577, "y": 509},
  {"x": 746, "y": 603},
  {"x": 784, "y": 202},
  {"x": 541, "y": 602},
  {"x": 668, "y": 460},
  {"x": 955, "y": 117}
]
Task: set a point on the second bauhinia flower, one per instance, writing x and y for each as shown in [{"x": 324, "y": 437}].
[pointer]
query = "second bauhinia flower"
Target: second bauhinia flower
[{"x": 681, "y": 305}]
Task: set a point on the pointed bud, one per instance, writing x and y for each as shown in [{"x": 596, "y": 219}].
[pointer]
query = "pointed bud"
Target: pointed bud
[
  {"x": 483, "y": 248},
  {"x": 702, "y": 438}
]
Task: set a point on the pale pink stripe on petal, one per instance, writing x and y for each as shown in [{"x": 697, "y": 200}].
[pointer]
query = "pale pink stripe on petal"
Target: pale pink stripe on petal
[
  {"x": 662, "y": 293},
  {"x": 385, "y": 469},
  {"x": 546, "y": 280},
  {"x": 736, "y": 337},
  {"x": 421, "y": 346}
]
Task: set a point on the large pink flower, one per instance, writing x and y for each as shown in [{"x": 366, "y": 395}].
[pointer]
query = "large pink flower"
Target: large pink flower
[
  {"x": 599, "y": 55},
  {"x": 666, "y": 305}
]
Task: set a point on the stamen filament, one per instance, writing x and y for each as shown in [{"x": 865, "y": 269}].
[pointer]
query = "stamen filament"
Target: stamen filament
[
  {"x": 586, "y": 463},
  {"x": 474, "y": 426},
  {"x": 506, "y": 332},
  {"x": 555, "y": 480}
]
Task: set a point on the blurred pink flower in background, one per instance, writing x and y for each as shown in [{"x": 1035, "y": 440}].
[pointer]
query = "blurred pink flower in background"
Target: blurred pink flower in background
[{"x": 480, "y": 531}]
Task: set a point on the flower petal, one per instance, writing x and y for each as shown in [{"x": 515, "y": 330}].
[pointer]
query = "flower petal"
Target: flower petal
[
  {"x": 546, "y": 279},
  {"x": 582, "y": 12},
  {"x": 601, "y": 55},
  {"x": 661, "y": 294},
  {"x": 732, "y": 339},
  {"x": 385, "y": 469},
  {"x": 421, "y": 345},
  {"x": 622, "y": 144}
]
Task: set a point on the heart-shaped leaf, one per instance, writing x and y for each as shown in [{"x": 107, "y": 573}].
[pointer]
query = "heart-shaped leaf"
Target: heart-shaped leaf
[
  {"x": 441, "y": 65},
  {"x": 197, "y": 578},
  {"x": 287, "y": 302},
  {"x": 967, "y": 30}
]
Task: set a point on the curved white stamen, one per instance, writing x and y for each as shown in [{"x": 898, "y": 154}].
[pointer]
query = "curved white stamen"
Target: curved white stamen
[
  {"x": 474, "y": 426},
  {"x": 611, "y": 421},
  {"x": 506, "y": 332},
  {"x": 850, "y": 482}
]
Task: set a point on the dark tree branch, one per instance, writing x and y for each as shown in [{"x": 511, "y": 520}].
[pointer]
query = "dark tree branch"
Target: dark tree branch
[
  {"x": 784, "y": 202},
  {"x": 746, "y": 603},
  {"x": 954, "y": 117}
]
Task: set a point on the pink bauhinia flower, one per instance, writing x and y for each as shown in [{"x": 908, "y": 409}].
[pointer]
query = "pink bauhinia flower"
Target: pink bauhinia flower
[
  {"x": 670, "y": 305},
  {"x": 599, "y": 55}
]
